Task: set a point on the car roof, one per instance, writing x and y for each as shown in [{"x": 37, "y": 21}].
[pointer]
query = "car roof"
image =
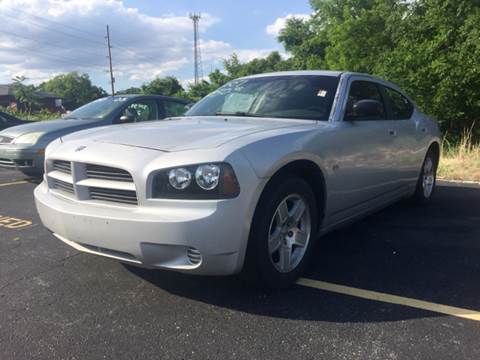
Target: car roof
[
  {"x": 298, "y": 72},
  {"x": 158, "y": 97},
  {"x": 317, "y": 73}
]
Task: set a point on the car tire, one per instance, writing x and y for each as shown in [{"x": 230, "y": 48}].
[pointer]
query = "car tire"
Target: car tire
[
  {"x": 275, "y": 256},
  {"x": 427, "y": 180}
]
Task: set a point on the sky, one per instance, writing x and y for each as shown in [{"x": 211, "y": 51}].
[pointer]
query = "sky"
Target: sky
[{"x": 43, "y": 38}]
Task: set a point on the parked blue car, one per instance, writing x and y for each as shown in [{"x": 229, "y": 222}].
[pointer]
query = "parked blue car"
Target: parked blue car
[
  {"x": 23, "y": 147},
  {"x": 7, "y": 120}
]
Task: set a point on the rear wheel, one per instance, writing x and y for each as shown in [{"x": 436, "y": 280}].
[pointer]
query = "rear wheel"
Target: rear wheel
[
  {"x": 428, "y": 177},
  {"x": 283, "y": 233}
]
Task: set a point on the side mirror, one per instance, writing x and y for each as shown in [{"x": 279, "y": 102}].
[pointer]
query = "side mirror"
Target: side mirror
[
  {"x": 367, "y": 109},
  {"x": 126, "y": 119}
]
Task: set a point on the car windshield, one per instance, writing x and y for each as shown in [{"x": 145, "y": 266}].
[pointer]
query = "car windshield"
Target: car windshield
[
  {"x": 97, "y": 109},
  {"x": 294, "y": 97}
]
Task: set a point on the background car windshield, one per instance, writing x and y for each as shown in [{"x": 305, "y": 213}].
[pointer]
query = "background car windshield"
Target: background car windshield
[
  {"x": 296, "y": 97},
  {"x": 97, "y": 109}
]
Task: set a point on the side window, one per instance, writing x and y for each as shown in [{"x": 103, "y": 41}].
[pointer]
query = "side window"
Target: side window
[
  {"x": 400, "y": 107},
  {"x": 143, "y": 110},
  {"x": 363, "y": 90},
  {"x": 173, "y": 108}
]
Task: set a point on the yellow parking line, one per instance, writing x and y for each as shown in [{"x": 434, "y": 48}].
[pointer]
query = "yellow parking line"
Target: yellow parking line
[
  {"x": 14, "y": 183},
  {"x": 392, "y": 299},
  {"x": 13, "y": 223}
]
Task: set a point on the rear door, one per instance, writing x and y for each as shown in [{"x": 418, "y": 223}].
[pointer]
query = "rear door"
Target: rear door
[
  {"x": 363, "y": 153},
  {"x": 405, "y": 143}
]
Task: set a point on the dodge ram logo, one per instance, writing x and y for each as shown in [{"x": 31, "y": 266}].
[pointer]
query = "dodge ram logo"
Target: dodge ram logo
[{"x": 80, "y": 148}]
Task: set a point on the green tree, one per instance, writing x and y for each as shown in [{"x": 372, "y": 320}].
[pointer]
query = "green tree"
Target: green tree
[
  {"x": 167, "y": 86},
  {"x": 431, "y": 48},
  {"x": 235, "y": 69},
  {"x": 198, "y": 91},
  {"x": 130, "y": 90},
  {"x": 299, "y": 38},
  {"x": 75, "y": 89},
  {"x": 217, "y": 78},
  {"x": 436, "y": 59},
  {"x": 24, "y": 94}
]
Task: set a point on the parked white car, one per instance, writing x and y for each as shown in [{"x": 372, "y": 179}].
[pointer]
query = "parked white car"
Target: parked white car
[{"x": 247, "y": 181}]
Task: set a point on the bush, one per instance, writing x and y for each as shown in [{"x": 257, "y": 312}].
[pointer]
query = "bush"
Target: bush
[{"x": 35, "y": 116}]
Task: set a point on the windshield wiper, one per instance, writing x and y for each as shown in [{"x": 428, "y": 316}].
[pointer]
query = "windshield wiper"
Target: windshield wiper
[{"x": 237, "y": 113}]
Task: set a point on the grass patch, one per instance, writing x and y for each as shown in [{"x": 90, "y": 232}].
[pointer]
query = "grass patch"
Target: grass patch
[{"x": 461, "y": 161}]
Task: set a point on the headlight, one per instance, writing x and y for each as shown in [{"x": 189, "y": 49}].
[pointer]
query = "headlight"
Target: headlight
[
  {"x": 30, "y": 138},
  {"x": 207, "y": 176},
  {"x": 179, "y": 178},
  {"x": 212, "y": 181}
]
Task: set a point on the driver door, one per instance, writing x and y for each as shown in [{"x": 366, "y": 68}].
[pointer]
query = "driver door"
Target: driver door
[{"x": 363, "y": 169}]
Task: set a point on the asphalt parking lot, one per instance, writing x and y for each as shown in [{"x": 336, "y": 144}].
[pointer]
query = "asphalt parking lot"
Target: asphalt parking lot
[{"x": 58, "y": 303}]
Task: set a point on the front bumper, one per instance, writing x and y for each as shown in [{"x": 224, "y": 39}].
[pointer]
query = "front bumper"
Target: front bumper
[
  {"x": 201, "y": 237},
  {"x": 26, "y": 159}
]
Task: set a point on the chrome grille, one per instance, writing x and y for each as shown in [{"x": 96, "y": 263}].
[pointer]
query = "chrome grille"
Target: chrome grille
[
  {"x": 107, "y": 173},
  {"x": 62, "y": 166},
  {"x": 114, "y": 195},
  {"x": 194, "y": 256},
  {"x": 5, "y": 139},
  {"x": 7, "y": 162},
  {"x": 92, "y": 182},
  {"x": 63, "y": 186}
]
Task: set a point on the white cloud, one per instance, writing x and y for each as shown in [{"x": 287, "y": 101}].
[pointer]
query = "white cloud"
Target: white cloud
[
  {"x": 214, "y": 50},
  {"x": 278, "y": 25},
  {"x": 42, "y": 38}
]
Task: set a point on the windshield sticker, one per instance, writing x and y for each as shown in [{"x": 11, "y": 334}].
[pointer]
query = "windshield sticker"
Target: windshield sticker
[{"x": 322, "y": 93}]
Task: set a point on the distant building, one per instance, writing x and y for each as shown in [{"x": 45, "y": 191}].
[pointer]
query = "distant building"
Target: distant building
[{"x": 46, "y": 100}]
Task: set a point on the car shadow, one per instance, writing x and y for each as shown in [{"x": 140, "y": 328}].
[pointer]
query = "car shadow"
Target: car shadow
[{"x": 424, "y": 252}]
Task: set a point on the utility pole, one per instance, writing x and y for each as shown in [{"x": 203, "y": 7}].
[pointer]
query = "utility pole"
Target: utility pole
[
  {"x": 198, "y": 73},
  {"x": 112, "y": 79}
]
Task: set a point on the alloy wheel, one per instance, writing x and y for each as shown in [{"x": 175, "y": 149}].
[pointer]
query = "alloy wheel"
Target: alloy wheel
[{"x": 289, "y": 233}]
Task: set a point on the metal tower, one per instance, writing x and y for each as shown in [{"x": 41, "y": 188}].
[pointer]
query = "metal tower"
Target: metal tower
[{"x": 198, "y": 72}]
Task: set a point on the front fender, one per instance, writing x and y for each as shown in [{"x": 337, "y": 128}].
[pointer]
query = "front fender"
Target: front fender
[{"x": 267, "y": 156}]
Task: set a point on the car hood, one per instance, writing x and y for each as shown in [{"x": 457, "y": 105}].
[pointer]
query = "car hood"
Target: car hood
[
  {"x": 47, "y": 126},
  {"x": 184, "y": 133}
]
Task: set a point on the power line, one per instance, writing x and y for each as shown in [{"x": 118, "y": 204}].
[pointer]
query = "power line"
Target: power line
[
  {"x": 55, "y": 57},
  {"x": 46, "y": 42},
  {"x": 48, "y": 28},
  {"x": 40, "y": 25},
  {"x": 16, "y": 10}
]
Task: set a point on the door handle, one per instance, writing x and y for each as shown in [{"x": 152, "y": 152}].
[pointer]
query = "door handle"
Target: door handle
[{"x": 392, "y": 132}]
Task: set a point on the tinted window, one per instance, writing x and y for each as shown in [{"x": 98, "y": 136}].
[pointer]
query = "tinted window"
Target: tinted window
[
  {"x": 295, "y": 97},
  {"x": 400, "y": 107},
  {"x": 363, "y": 90},
  {"x": 98, "y": 109},
  {"x": 143, "y": 110},
  {"x": 173, "y": 108}
]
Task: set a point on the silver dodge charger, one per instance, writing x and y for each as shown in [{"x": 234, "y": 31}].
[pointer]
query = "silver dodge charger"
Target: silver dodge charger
[{"x": 247, "y": 180}]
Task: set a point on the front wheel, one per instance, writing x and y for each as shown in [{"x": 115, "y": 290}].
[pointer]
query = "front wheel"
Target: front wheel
[
  {"x": 282, "y": 235},
  {"x": 427, "y": 179}
]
